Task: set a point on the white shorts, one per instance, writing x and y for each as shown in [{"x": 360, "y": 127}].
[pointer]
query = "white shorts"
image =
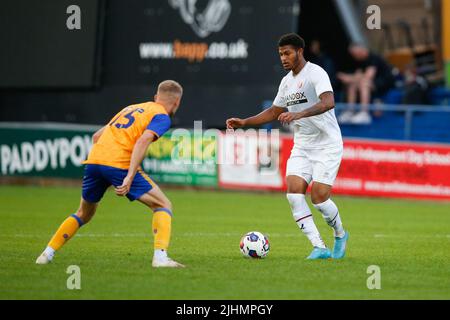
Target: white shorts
[{"x": 320, "y": 165}]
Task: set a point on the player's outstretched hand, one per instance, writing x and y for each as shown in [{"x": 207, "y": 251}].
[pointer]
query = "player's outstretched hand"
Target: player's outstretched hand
[
  {"x": 125, "y": 187},
  {"x": 288, "y": 117},
  {"x": 234, "y": 123}
]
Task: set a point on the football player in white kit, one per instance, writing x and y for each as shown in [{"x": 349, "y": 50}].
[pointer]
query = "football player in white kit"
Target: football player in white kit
[{"x": 305, "y": 98}]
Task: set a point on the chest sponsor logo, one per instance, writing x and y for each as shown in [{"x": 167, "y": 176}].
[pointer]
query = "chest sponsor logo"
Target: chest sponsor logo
[{"x": 295, "y": 98}]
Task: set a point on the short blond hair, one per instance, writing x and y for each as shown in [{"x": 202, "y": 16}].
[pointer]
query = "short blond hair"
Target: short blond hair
[{"x": 171, "y": 88}]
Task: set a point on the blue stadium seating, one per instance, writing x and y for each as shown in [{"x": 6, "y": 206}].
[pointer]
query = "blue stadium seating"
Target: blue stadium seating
[
  {"x": 393, "y": 96},
  {"x": 439, "y": 96},
  {"x": 390, "y": 125},
  {"x": 429, "y": 126}
]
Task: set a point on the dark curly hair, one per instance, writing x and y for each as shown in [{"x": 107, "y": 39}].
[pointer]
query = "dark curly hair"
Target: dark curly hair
[{"x": 292, "y": 39}]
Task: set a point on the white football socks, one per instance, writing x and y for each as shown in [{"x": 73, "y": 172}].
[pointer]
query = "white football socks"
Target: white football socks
[
  {"x": 331, "y": 215},
  {"x": 303, "y": 216},
  {"x": 160, "y": 254},
  {"x": 49, "y": 252}
]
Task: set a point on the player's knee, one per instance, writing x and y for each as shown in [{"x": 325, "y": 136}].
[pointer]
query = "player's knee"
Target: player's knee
[
  {"x": 168, "y": 204},
  {"x": 295, "y": 186},
  {"x": 319, "y": 196},
  {"x": 163, "y": 203},
  {"x": 293, "y": 189},
  {"x": 84, "y": 216}
]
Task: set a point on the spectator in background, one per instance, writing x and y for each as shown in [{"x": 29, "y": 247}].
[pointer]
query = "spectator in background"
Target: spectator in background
[
  {"x": 372, "y": 76},
  {"x": 320, "y": 58},
  {"x": 415, "y": 86}
]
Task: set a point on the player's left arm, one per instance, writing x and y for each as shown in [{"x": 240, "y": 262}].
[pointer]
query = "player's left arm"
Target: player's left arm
[{"x": 326, "y": 103}]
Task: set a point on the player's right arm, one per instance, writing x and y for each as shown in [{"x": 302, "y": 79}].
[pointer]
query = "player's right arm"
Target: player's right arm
[
  {"x": 266, "y": 116},
  {"x": 137, "y": 156},
  {"x": 158, "y": 125}
]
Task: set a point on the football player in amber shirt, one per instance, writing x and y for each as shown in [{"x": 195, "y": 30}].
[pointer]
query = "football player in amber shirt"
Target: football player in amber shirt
[{"x": 115, "y": 158}]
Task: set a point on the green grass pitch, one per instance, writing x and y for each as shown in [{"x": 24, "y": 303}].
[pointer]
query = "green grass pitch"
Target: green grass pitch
[{"x": 408, "y": 240}]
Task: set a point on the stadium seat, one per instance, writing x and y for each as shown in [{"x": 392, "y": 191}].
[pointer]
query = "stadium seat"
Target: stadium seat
[
  {"x": 393, "y": 96},
  {"x": 439, "y": 96}
]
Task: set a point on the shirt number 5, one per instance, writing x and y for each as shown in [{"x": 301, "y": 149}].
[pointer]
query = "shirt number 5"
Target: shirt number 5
[{"x": 129, "y": 117}]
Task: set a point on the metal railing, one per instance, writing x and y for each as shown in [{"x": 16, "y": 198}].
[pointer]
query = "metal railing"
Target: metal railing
[{"x": 408, "y": 109}]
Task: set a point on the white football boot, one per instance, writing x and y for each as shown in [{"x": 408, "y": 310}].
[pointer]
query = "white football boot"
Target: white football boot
[
  {"x": 43, "y": 259},
  {"x": 166, "y": 262}
]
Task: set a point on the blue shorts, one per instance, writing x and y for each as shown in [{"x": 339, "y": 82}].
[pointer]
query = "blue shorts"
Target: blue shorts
[{"x": 97, "y": 178}]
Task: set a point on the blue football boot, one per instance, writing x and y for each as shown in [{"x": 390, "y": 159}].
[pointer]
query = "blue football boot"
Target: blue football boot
[
  {"x": 319, "y": 253},
  {"x": 340, "y": 245}
]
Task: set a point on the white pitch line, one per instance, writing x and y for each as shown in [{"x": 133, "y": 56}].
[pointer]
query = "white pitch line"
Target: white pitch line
[{"x": 412, "y": 236}]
